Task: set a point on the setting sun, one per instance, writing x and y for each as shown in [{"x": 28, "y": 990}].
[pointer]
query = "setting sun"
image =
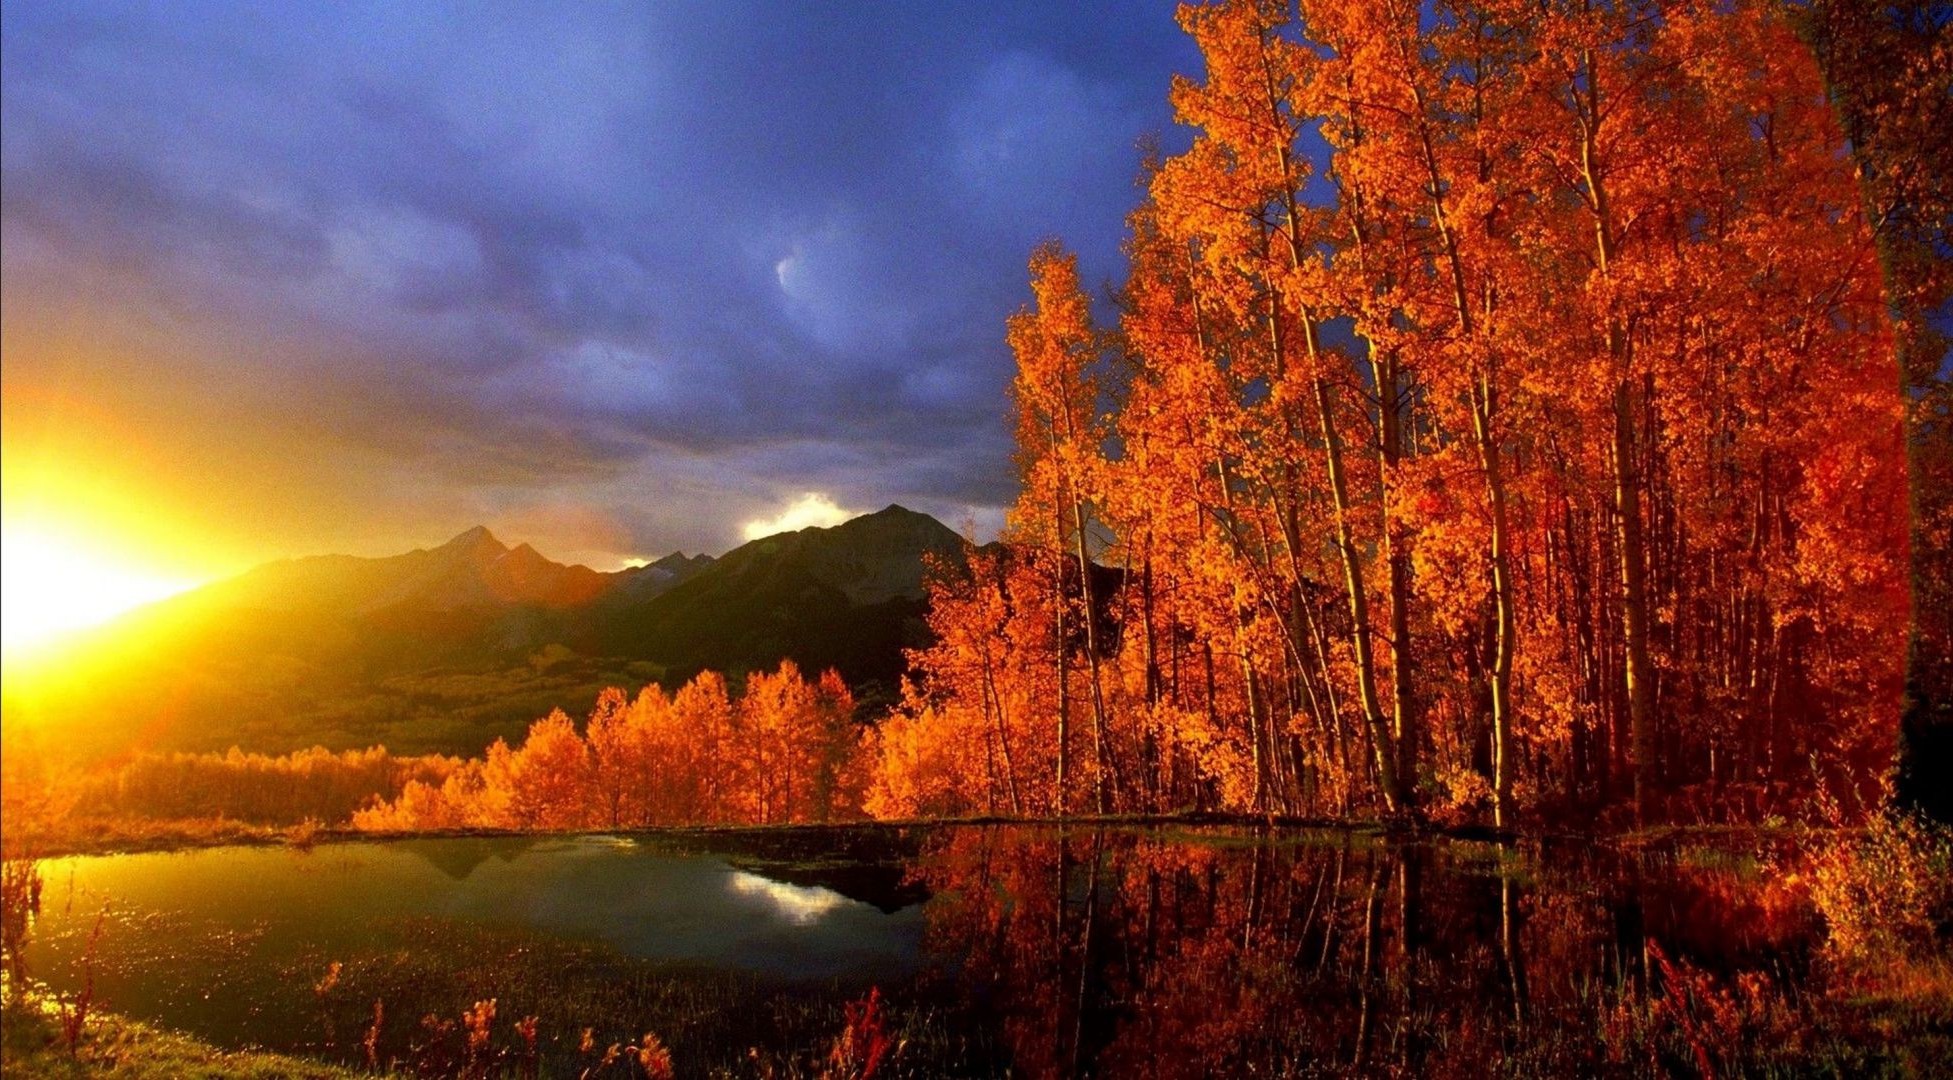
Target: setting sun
[{"x": 52, "y": 583}]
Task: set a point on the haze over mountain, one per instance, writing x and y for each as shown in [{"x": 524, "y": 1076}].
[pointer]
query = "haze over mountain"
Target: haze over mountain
[
  {"x": 473, "y": 570},
  {"x": 446, "y": 648}
]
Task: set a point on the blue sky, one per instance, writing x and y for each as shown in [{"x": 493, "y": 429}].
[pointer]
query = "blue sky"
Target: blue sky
[{"x": 614, "y": 279}]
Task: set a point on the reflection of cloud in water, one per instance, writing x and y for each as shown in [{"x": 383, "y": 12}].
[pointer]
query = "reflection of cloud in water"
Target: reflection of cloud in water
[
  {"x": 270, "y": 906},
  {"x": 801, "y": 905}
]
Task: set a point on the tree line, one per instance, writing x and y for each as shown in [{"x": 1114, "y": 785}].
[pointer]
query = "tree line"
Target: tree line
[
  {"x": 260, "y": 789},
  {"x": 787, "y": 749}
]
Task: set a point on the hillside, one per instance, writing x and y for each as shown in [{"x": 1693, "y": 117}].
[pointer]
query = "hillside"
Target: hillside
[
  {"x": 850, "y": 597},
  {"x": 446, "y": 648}
]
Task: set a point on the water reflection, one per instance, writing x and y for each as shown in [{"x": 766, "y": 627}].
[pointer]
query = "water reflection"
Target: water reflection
[
  {"x": 798, "y": 904},
  {"x": 1175, "y": 955},
  {"x": 1032, "y": 951},
  {"x": 459, "y": 858},
  {"x": 227, "y": 928}
]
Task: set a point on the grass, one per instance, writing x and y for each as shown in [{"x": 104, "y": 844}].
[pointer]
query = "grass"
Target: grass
[
  {"x": 123, "y": 835},
  {"x": 33, "y": 1046},
  {"x": 714, "y": 1031},
  {"x": 95, "y": 835},
  {"x": 713, "y": 1023}
]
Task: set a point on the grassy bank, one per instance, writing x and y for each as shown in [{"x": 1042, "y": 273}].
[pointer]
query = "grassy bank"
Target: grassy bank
[
  {"x": 110, "y": 836},
  {"x": 33, "y": 1046},
  {"x": 105, "y": 835}
]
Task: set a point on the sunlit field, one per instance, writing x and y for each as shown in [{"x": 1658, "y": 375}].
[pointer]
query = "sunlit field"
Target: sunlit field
[{"x": 1249, "y": 538}]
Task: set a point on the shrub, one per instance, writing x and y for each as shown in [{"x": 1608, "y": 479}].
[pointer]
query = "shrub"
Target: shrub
[{"x": 1885, "y": 889}]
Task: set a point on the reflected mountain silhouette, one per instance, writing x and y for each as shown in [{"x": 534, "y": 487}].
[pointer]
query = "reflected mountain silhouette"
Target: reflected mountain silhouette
[
  {"x": 459, "y": 858},
  {"x": 872, "y": 865},
  {"x": 886, "y": 887},
  {"x": 884, "y": 883}
]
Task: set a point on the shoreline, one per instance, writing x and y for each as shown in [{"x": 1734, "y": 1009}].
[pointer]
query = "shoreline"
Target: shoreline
[{"x": 142, "y": 837}]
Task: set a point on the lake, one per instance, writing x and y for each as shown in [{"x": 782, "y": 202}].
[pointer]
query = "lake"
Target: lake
[{"x": 990, "y": 950}]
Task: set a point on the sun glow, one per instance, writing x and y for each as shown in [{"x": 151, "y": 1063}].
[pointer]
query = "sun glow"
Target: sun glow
[
  {"x": 814, "y": 509},
  {"x": 54, "y": 583}
]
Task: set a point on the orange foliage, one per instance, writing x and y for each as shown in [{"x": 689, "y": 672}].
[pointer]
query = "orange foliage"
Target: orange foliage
[
  {"x": 787, "y": 750},
  {"x": 1535, "y": 447},
  {"x": 259, "y": 789}
]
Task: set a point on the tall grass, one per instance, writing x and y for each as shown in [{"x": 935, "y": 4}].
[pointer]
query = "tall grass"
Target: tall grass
[{"x": 20, "y": 903}]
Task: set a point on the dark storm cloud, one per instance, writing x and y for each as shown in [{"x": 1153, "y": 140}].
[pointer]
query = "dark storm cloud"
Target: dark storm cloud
[{"x": 673, "y": 262}]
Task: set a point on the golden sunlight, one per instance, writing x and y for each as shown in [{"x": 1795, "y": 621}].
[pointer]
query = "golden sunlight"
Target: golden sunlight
[
  {"x": 53, "y": 582},
  {"x": 812, "y": 510}
]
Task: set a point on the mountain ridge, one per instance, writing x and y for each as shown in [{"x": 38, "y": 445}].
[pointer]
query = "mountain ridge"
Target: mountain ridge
[{"x": 444, "y": 648}]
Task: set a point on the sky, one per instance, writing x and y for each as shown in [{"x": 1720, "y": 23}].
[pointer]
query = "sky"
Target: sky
[{"x": 616, "y": 280}]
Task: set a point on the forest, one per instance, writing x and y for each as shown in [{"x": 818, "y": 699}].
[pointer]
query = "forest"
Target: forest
[{"x": 1537, "y": 448}]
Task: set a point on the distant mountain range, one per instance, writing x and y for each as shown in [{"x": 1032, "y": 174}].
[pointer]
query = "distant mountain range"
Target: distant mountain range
[{"x": 446, "y": 648}]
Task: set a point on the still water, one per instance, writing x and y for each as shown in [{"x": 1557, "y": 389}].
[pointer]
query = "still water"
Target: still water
[{"x": 997, "y": 950}]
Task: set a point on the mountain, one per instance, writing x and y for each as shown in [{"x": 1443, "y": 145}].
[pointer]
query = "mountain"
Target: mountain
[
  {"x": 473, "y": 570},
  {"x": 444, "y": 649},
  {"x": 652, "y": 579},
  {"x": 849, "y": 597}
]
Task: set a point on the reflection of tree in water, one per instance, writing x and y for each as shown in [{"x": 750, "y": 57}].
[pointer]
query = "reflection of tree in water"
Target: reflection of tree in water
[
  {"x": 459, "y": 858},
  {"x": 1138, "y": 954}
]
